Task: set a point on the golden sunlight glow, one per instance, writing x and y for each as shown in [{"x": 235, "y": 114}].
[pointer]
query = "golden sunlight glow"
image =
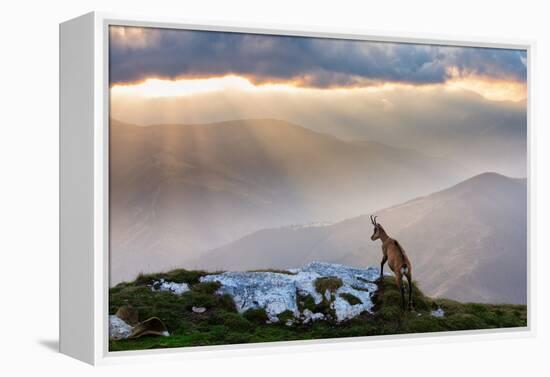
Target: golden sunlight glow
[
  {"x": 494, "y": 90},
  {"x": 186, "y": 87}
]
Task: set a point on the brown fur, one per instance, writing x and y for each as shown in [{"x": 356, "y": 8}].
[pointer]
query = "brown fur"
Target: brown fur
[{"x": 397, "y": 259}]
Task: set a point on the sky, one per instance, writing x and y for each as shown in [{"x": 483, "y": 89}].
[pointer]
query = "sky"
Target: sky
[{"x": 432, "y": 98}]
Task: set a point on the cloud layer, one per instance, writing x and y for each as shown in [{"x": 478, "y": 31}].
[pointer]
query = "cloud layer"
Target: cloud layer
[
  {"x": 462, "y": 126},
  {"x": 140, "y": 53}
]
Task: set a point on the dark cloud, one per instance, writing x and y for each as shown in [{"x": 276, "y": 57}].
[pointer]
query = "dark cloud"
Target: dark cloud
[{"x": 317, "y": 62}]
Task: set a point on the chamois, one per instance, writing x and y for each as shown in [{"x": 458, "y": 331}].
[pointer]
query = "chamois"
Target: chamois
[{"x": 394, "y": 254}]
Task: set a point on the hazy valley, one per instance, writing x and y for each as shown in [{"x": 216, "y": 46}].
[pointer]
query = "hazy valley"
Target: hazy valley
[{"x": 178, "y": 191}]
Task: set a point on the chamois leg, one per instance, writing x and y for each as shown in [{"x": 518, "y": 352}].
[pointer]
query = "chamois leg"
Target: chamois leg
[
  {"x": 384, "y": 259},
  {"x": 409, "y": 281},
  {"x": 399, "y": 279}
]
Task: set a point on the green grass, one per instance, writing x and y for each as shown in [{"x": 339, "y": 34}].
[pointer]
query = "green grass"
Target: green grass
[
  {"x": 351, "y": 299},
  {"x": 287, "y": 315},
  {"x": 178, "y": 276},
  {"x": 221, "y": 324},
  {"x": 329, "y": 283},
  {"x": 258, "y": 316}
]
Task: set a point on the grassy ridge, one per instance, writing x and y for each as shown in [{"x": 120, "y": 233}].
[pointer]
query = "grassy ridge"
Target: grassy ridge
[{"x": 221, "y": 324}]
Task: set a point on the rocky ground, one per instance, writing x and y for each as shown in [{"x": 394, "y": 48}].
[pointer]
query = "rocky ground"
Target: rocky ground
[{"x": 277, "y": 292}]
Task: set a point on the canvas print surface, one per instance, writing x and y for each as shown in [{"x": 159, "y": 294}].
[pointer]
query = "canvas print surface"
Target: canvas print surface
[{"x": 270, "y": 188}]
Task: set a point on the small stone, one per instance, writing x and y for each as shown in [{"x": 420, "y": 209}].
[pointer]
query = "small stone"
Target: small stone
[
  {"x": 118, "y": 329},
  {"x": 198, "y": 309},
  {"x": 170, "y": 286},
  {"x": 439, "y": 313},
  {"x": 308, "y": 316}
]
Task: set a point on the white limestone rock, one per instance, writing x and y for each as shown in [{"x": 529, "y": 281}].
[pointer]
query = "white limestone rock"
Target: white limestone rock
[
  {"x": 169, "y": 286},
  {"x": 439, "y": 313},
  {"x": 309, "y": 316},
  {"x": 198, "y": 309},
  {"x": 118, "y": 329},
  {"x": 278, "y": 292}
]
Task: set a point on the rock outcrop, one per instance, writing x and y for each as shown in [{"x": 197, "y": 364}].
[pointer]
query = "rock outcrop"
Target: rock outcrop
[
  {"x": 118, "y": 329},
  {"x": 124, "y": 325},
  {"x": 278, "y": 292}
]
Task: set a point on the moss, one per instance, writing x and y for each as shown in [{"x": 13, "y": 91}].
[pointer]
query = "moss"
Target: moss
[
  {"x": 464, "y": 321},
  {"x": 237, "y": 338},
  {"x": 450, "y": 307},
  {"x": 306, "y": 302},
  {"x": 226, "y": 302},
  {"x": 477, "y": 309},
  {"x": 143, "y": 279},
  {"x": 207, "y": 288},
  {"x": 194, "y": 298},
  {"x": 234, "y": 321},
  {"x": 389, "y": 313},
  {"x": 510, "y": 320},
  {"x": 177, "y": 276},
  {"x": 422, "y": 324},
  {"x": 285, "y": 316},
  {"x": 391, "y": 298},
  {"x": 256, "y": 315},
  {"x": 351, "y": 299},
  {"x": 164, "y": 305},
  {"x": 324, "y": 307},
  {"x": 330, "y": 283}
]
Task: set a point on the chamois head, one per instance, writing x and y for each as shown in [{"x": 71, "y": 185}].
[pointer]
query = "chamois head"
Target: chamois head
[{"x": 377, "y": 228}]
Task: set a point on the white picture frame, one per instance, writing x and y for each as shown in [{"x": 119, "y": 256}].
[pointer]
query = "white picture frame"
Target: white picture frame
[{"x": 84, "y": 199}]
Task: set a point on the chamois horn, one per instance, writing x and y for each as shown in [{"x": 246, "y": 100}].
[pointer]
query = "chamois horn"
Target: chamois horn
[{"x": 373, "y": 220}]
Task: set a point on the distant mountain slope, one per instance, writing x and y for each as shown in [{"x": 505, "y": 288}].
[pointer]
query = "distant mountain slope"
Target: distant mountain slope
[
  {"x": 178, "y": 190},
  {"x": 467, "y": 242}
]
